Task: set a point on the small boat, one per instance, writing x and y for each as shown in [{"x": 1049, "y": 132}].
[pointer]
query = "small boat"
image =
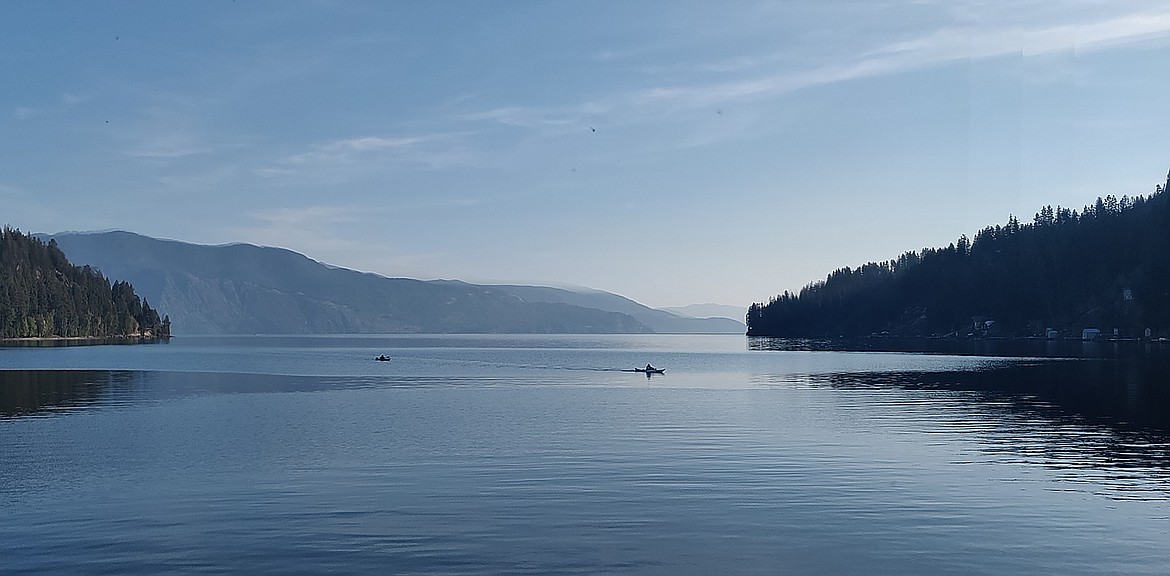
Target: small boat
[
  {"x": 650, "y": 370},
  {"x": 382, "y": 358}
]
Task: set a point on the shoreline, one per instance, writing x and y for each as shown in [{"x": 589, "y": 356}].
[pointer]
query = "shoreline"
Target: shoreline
[{"x": 51, "y": 341}]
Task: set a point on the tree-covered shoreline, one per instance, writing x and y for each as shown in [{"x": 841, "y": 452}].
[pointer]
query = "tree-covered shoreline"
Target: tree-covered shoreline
[
  {"x": 1105, "y": 267},
  {"x": 44, "y": 296}
]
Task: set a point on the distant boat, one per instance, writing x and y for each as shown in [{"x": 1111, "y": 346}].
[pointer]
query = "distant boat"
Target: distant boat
[
  {"x": 651, "y": 370},
  {"x": 382, "y": 358}
]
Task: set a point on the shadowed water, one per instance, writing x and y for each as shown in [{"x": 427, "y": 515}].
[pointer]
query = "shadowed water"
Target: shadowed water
[{"x": 538, "y": 455}]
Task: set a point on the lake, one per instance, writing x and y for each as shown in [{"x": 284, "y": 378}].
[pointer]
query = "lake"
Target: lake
[{"x": 540, "y": 455}]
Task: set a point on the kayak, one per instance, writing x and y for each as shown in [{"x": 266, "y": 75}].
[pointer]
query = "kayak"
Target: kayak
[{"x": 651, "y": 371}]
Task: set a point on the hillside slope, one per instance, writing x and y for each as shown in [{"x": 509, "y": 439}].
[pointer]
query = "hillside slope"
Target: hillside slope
[
  {"x": 1105, "y": 267},
  {"x": 44, "y": 295},
  {"x": 246, "y": 289},
  {"x": 657, "y": 320}
]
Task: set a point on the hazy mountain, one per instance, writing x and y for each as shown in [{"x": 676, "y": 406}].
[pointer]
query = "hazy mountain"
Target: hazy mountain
[
  {"x": 657, "y": 320},
  {"x": 245, "y": 289},
  {"x": 708, "y": 311}
]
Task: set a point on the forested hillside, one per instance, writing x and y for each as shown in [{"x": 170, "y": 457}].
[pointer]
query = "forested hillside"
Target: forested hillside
[
  {"x": 1106, "y": 266},
  {"x": 42, "y": 295}
]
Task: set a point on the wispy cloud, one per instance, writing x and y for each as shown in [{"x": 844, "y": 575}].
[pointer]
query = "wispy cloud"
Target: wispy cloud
[
  {"x": 953, "y": 43},
  {"x": 307, "y": 217},
  {"x": 65, "y": 104},
  {"x": 352, "y": 150},
  {"x": 290, "y": 226},
  {"x": 169, "y": 145},
  {"x": 435, "y": 150},
  {"x": 174, "y": 126},
  {"x": 541, "y": 117},
  {"x": 966, "y": 34},
  {"x": 320, "y": 231},
  {"x": 198, "y": 179},
  {"x": 683, "y": 96},
  {"x": 942, "y": 46}
]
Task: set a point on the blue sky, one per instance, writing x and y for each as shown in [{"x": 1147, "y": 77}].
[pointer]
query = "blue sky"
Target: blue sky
[{"x": 672, "y": 152}]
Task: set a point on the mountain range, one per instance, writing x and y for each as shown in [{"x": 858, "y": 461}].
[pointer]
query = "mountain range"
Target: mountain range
[
  {"x": 247, "y": 289},
  {"x": 707, "y": 310}
]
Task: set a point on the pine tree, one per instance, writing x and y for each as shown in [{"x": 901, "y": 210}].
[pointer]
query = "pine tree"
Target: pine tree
[{"x": 42, "y": 295}]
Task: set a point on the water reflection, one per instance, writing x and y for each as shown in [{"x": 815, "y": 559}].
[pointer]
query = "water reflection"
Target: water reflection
[
  {"x": 1103, "y": 422},
  {"x": 29, "y": 393},
  {"x": 76, "y": 342},
  {"x": 1014, "y": 348},
  {"x": 38, "y": 392}
]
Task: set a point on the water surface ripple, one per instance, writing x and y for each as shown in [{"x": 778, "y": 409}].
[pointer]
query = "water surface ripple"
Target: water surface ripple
[{"x": 538, "y": 455}]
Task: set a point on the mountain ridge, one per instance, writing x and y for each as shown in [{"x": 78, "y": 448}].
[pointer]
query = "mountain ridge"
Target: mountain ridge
[
  {"x": 707, "y": 310},
  {"x": 240, "y": 288},
  {"x": 658, "y": 320}
]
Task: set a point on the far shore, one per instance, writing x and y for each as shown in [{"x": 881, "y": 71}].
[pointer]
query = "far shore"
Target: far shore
[{"x": 78, "y": 340}]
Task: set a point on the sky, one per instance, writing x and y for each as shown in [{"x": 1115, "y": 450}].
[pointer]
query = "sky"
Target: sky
[{"x": 671, "y": 152}]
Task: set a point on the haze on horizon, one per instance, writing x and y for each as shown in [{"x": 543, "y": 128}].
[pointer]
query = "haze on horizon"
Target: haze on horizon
[{"x": 674, "y": 153}]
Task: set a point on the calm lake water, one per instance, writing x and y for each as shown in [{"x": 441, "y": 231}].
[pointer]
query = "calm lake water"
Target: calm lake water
[{"x": 539, "y": 455}]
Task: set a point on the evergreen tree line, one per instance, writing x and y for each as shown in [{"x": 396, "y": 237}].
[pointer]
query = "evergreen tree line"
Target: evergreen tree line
[
  {"x": 42, "y": 295},
  {"x": 1106, "y": 266}
]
